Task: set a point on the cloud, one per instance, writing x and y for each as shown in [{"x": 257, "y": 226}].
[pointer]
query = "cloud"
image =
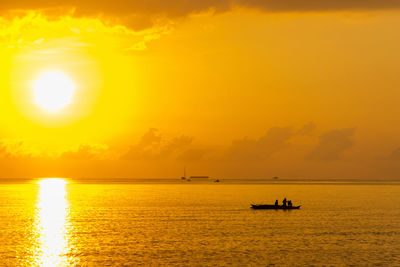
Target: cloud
[
  {"x": 15, "y": 149},
  {"x": 153, "y": 146},
  {"x": 146, "y": 147},
  {"x": 176, "y": 144},
  {"x": 332, "y": 145},
  {"x": 86, "y": 151},
  {"x": 22, "y": 149},
  {"x": 136, "y": 23},
  {"x": 307, "y": 129},
  {"x": 67, "y": 34},
  {"x": 394, "y": 155},
  {"x": 150, "y": 138},
  {"x": 259, "y": 149},
  {"x": 140, "y": 14},
  {"x": 192, "y": 154},
  {"x": 318, "y": 5}
]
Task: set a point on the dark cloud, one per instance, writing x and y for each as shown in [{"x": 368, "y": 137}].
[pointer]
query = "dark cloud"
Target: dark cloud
[
  {"x": 332, "y": 144},
  {"x": 141, "y": 14},
  {"x": 259, "y": 149}
]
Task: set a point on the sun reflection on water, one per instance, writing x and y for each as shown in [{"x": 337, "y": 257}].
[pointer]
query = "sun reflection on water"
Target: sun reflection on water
[{"x": 52, "y": 222}]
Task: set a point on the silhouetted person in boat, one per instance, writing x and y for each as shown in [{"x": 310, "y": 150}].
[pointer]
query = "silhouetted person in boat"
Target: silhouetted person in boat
[
  {"x": 284, "y": 202},
  {"x": 289, "y": 203},
  {"x": 276, "y": 202}
]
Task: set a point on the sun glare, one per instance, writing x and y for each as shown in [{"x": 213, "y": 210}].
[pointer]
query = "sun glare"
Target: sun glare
[
  {"x": 53, "y": 90},
  {"x": 52, "y": 223}
]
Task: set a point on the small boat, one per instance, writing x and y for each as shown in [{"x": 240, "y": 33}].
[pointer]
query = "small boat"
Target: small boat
[
  {"x": 184, "y": 174},
  {"x": 273, "y": 207}
]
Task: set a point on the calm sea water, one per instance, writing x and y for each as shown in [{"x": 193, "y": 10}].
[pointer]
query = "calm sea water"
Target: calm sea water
[{"x": 99, "y": 223}]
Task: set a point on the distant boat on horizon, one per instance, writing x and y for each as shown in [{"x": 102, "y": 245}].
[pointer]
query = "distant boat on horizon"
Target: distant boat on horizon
[{"x": 184, "y": 174}]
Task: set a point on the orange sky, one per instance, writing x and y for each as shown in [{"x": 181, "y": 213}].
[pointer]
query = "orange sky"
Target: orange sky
[{"x": 231, "y": 89}]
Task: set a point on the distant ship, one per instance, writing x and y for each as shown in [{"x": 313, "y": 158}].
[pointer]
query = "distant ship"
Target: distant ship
[{"x": 195, "y": 177}]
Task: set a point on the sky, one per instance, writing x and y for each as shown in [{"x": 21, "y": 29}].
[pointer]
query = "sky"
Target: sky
[{"x": 227, "y": 88}]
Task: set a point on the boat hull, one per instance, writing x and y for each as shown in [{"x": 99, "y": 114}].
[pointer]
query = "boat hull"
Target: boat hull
[{"x": 274, "y": 207}]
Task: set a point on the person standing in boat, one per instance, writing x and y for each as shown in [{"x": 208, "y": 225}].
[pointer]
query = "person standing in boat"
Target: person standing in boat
[
  {"x": 276, "y": 202},
  {"x": 284, "y": 202}
]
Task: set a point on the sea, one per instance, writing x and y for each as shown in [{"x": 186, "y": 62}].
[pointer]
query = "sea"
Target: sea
[{"x": 173, "y": 222}]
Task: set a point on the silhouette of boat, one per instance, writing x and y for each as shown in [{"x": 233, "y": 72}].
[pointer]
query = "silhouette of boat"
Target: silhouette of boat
[
  {"x": 184, "y": 174},
  {"x": 273, "y": 207}
]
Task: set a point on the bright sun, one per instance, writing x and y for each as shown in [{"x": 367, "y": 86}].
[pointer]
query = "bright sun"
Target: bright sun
[{"x": 53, "y": 90}]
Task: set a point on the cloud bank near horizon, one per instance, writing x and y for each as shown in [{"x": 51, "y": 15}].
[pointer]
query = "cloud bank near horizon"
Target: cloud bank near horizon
[{"x": 290, "y": 151}]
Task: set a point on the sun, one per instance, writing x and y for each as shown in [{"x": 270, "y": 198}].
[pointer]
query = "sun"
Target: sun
[{"x": 53, "y": 90}]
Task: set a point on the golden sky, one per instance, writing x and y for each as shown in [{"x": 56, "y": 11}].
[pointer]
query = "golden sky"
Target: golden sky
[{"x": 228, "y": 88}]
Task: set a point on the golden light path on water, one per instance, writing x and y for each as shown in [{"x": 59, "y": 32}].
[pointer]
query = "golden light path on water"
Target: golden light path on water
[{"x": 52, "y": 219}]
